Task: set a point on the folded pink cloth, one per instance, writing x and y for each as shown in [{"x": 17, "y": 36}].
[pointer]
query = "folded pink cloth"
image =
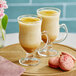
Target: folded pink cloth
[{"x": 7, "y": 68}]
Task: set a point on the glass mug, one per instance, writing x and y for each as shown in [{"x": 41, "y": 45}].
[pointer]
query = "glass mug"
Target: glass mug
[
  {"x": 30, "y": 37},
  {"x": 50, "y": 23}
]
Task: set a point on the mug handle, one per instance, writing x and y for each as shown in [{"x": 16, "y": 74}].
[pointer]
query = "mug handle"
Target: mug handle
[
  {"x": 66, "y": 31},
  {"x": 44, "y": 33}
]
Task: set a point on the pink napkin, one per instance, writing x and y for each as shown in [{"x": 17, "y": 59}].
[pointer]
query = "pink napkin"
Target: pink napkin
[{"x": 7, "y": 68}]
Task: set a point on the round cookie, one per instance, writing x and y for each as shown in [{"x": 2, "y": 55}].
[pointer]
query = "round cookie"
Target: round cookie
[
  {"x": 54, "y": 62},
  {"x": 66, "y": 62}
]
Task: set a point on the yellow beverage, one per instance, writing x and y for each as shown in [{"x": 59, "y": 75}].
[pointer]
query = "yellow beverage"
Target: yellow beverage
[
  {"x": 50, "y": 23},
  {"x": 30, "y": 33},
  {"x": 48, "y": 12}
]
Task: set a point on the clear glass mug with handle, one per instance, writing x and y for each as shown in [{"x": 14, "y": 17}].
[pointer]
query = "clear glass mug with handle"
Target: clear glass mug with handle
[
  {"x": 50, "y": 23},
  {"x": 30, "y": 38}
]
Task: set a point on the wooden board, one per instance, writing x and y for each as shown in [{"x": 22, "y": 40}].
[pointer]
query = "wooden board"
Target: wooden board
[{"x": 15, "y": 52}]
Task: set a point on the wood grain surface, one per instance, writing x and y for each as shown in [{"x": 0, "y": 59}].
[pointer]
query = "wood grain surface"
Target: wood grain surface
[{"x": 15, "y": 52}]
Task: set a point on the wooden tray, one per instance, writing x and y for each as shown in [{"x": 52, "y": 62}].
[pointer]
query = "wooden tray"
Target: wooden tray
[{"x": 15, "y": 52}]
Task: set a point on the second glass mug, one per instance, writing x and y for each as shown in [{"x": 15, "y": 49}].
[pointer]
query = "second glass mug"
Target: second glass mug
[
  {"x": 30, "y": 37},
  {"x": 50, "y": 23}
]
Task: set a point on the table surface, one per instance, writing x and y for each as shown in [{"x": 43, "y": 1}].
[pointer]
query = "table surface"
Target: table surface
[{"x": 13, "y": 38}]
